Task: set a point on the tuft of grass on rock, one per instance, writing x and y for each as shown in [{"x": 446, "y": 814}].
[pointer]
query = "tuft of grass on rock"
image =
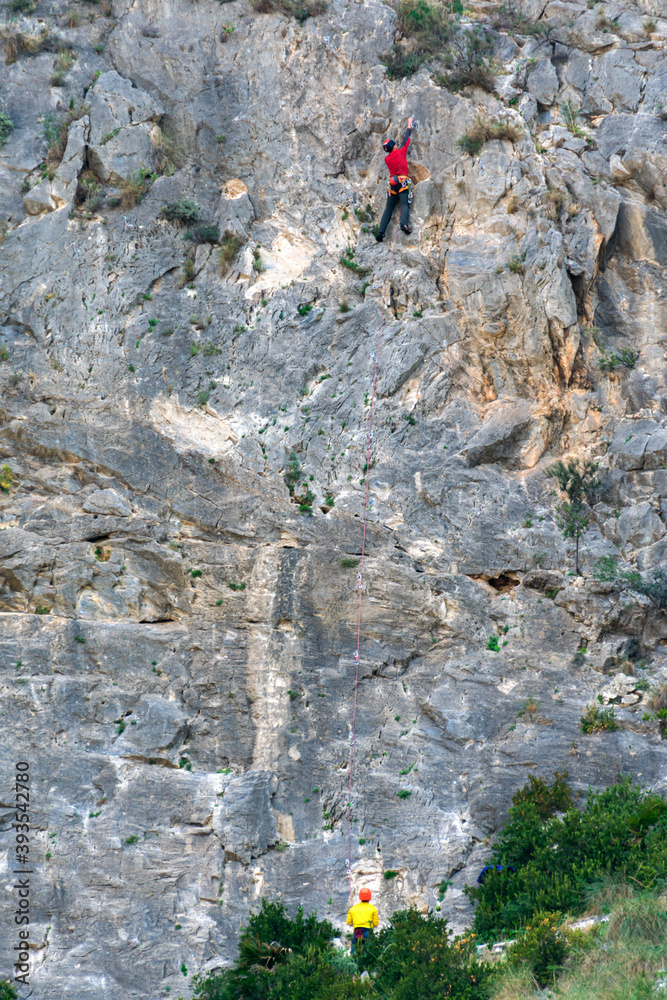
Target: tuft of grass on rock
[
  {"x": 230, "y": 244},
  {"x": 135, "y": 187},
  {"x": 300, "y": 10},
  {"x": 484, "y": 130}
]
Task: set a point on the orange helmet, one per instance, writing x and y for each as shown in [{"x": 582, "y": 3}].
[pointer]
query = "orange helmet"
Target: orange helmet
[{"x": 365, "y": 895}]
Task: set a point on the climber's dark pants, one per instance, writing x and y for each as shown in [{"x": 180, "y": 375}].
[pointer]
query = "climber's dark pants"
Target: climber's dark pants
[
  {"x": 368, "y": 932},
  {"x": 392, "y": 202}
]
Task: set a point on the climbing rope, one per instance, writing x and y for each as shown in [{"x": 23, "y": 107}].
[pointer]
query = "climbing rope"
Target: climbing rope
[{"x": 375, "y": 358}]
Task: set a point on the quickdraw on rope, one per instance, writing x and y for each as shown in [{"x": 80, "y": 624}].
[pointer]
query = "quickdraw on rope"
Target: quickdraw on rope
[{"x": 360, "y": 578}]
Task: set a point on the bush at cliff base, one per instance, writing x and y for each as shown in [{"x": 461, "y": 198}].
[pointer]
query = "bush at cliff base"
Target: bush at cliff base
[
  {"x": 412, "y": 959},
  {"x": 621, "y": 834},
  {"x": 622, "y": 830}
]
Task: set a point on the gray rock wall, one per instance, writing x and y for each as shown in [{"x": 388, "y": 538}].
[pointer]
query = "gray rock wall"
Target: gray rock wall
[{"x": 177, "y": 639}]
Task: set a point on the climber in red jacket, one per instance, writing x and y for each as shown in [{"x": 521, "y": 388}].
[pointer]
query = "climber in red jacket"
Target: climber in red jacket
[{"x": 399, "y": 184}]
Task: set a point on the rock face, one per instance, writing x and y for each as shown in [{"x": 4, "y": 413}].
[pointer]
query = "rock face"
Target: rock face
[
  {"x": 178, "y": 635},
  {"x": 122, "y": 119}
]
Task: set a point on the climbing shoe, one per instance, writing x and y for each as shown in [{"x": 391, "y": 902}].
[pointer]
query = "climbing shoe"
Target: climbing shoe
[
  {"x": 406, "y": 230},
  {"x": 379, "y": 237}
]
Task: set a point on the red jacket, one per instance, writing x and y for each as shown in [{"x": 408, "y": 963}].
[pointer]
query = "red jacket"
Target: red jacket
[{"x": 397, "y": 161}]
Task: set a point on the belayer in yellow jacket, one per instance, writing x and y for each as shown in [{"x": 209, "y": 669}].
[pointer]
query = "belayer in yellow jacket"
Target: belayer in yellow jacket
[{"x": 362, "y": 917}]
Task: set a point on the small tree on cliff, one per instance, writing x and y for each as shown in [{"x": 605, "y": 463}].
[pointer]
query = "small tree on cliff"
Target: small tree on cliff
[{"x": 579, "y": 483}]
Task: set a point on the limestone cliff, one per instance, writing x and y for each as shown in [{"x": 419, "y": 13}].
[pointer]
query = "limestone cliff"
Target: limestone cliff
[{"x": 177, "y": 634}]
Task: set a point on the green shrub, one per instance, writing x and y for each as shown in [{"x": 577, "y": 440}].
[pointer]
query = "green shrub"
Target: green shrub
[
  {"x": 571, "y": 115},
  {"x": 606, "y": 569},
  {"x": 423, "y": 29},
  {"x": 542, "y": 947},
  {"x": 625, "y": 358},
  {"x": 20, "y": 6},
  {"x": 577, "y": 480},
  {"x": 492, "y": 644},
  {"x": 305, "y": 501},
  {"x": 511, "y": 20},
  {"x": 579, "y": 483},
  {"x": 300, "y": 10},
  {"x": 621, "y": 829},
  {"x": 272, "y": 923},
  {"x": 51, "y": 129},
  {"x": 654, "y": 588},
  {"x": 468, "y": 61},
  {"x": 182, "y": 211},
  {"x": 293, "y": 473},
  {"x": 472, "y": 145},
  {"x": 347, "y": 562},
  {"x": 203, "y": 233},
  {"x": 270, "y": 962},
  {"x": 6, "y": 126},
  {"x": 315, "y": 975},
  {"x": 364, "y": 214},
  {"x": 598, "y": 720},
  {"x": 6, "y": 478},
  {"x": 348, "y": 261},
  {"x": 412, "y": 959},
  {"x": 544, "y": 798},
  {"x": 7, "y": 991}
]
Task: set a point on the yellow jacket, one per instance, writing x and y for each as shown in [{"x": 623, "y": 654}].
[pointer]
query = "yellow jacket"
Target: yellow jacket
[{"x": 363, "y": 915}]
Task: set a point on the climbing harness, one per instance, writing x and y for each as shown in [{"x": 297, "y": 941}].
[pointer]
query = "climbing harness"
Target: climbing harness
[
  {"x": 398, "y": 184},
  {"x": 367, "y": 506}
]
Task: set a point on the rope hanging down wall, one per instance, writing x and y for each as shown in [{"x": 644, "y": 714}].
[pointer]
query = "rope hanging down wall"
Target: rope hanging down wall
[{"x": 375, "y": 358}]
